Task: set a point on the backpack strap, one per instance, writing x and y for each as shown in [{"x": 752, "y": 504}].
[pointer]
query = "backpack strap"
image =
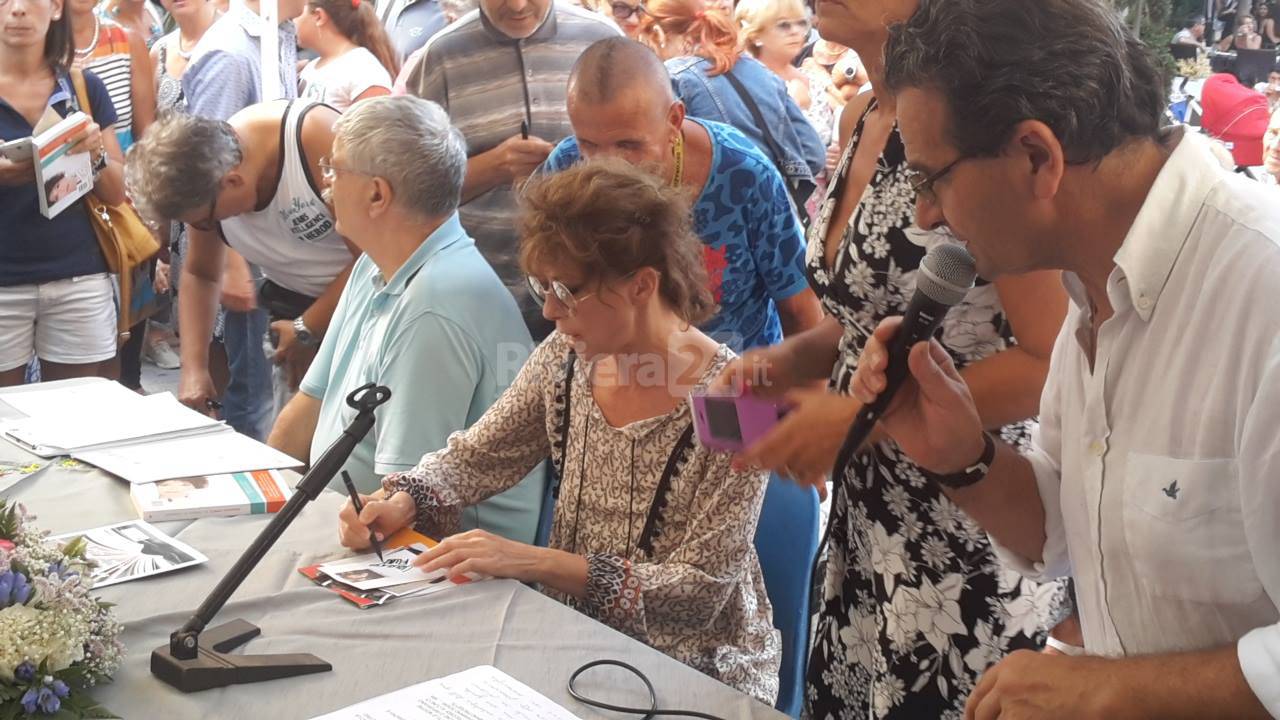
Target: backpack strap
[{"x": 798, "y": 195}]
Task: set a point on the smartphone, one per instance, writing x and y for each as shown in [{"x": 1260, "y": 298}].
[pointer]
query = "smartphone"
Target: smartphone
[
  {"x": 16, "y": 150},
  {"x": 732, "y": 422}
]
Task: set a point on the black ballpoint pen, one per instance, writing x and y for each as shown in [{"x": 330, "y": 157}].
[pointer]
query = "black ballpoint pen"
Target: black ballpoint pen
[{"x": 359, "y": 506}]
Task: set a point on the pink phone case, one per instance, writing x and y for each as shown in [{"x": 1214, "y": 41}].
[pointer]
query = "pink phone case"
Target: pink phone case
[{"x": 732, "y": 422}]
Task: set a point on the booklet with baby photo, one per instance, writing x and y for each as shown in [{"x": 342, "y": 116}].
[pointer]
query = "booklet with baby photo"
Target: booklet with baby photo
[{"x": 62, "y": 178}]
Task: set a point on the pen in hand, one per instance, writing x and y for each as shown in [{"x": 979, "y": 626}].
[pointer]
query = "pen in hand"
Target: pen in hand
[
  {"x": 359, "y": 506},
  {"x": 524, "y": 129}
]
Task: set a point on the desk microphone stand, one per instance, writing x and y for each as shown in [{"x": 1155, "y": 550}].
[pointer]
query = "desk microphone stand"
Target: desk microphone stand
[{"x": 187, "y": 665}]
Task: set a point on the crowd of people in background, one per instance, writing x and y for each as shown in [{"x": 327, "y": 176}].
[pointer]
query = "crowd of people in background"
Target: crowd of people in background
[{"x": 490, "y": 205}]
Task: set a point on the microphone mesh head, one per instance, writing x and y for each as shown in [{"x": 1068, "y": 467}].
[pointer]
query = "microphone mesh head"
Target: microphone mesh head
[{"x": 946, "y": 274}]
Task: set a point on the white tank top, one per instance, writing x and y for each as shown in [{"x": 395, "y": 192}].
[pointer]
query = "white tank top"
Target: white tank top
[{"x": 293, "y": 240}]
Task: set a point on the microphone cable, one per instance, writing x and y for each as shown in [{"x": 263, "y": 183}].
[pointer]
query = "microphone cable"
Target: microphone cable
[{"x": 647, "y": 713}]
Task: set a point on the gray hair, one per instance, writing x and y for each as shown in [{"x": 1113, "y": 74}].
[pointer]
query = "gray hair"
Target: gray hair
[
  {"x": 178, "y": 165},
  {"x": 1071, "y": 64},
  {"x": 411, "y": 144}
]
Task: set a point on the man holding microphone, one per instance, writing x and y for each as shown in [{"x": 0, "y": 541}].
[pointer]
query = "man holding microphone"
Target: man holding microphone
[{"x": 1154, "y": 479}]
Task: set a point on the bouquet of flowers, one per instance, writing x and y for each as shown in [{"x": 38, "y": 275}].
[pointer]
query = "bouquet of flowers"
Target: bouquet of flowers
[{"x": 56, "y": 640}]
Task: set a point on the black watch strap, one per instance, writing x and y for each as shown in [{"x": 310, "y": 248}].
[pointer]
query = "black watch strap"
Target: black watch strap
[{"x": 971, "y": 474}]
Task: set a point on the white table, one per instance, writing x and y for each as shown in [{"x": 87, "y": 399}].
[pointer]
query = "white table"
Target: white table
[{"x": 503, "y": 623}]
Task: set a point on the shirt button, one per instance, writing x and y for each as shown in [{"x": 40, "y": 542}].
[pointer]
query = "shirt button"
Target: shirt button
[
  {"x": 1097, "y": 448},
  {"x": 1144, "y": 302}
]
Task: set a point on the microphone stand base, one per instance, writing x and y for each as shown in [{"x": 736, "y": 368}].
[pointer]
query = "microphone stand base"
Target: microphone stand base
[{"x": 216, "y": 668}]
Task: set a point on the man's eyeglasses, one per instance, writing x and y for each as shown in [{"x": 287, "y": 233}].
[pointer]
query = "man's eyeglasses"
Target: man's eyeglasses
[
  {"x": 329, "y": 171},
  {"x": 564, "y": 295},
  {"x": 922, "y": 185},
  {"x": 622, "y": 11},
  {"x": 786, "y": 26},
  {"x": 210, "y": 223}
]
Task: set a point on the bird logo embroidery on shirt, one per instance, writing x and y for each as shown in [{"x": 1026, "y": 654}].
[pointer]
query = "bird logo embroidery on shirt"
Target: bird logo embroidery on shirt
[{"x": 1172, "y": 490}]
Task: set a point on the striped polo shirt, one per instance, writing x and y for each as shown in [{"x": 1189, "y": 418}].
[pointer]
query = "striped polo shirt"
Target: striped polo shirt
[{"x": 488, "y": 83}]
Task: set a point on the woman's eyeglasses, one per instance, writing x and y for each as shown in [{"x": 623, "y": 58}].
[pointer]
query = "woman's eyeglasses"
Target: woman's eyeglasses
[
  {"x": 622, "y": 11},
  {"x": 564, "y": 295}
]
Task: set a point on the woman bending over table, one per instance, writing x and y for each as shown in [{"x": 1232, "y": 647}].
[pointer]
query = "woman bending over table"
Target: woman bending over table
[{"x": 652, "y": 533}]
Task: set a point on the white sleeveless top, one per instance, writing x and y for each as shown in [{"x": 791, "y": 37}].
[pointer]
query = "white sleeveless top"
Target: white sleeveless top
[{"x": 293, "y": 240}]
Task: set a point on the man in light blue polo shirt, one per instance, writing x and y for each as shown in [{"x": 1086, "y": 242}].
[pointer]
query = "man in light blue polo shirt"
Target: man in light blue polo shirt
[{"x": 422, "y": 313}]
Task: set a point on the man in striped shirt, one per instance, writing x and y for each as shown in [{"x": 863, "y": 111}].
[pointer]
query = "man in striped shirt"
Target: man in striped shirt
[{"x": 498, "y": 72}]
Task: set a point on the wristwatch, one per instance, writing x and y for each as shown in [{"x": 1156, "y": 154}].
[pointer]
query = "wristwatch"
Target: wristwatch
[
  {"x": 100, "y": 162},
  {"x": 971, "y": 474},
  {"x": 304, "y": 335}
]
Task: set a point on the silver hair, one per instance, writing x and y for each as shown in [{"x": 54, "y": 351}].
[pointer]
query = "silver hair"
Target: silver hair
[
  {"x": 411, "y": 144},
  {"x": 178, "y": 165}
]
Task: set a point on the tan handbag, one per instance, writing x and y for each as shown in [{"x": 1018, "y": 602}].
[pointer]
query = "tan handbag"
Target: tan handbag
[{"x": 125, "y": 240}]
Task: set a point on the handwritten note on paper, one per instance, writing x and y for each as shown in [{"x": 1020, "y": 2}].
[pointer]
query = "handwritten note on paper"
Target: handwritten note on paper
[{"x": 481, "y": 693}]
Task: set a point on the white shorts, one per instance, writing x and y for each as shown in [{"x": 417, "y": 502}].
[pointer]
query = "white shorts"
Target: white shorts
[{"x": 72, "y": 321}]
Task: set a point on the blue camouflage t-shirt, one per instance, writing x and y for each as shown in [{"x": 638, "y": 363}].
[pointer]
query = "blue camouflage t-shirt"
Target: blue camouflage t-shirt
[{"x": 752, "y": 242}]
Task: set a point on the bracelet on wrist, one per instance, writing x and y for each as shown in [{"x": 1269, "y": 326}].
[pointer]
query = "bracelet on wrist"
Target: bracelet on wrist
[{"x": 971, "y": 473}]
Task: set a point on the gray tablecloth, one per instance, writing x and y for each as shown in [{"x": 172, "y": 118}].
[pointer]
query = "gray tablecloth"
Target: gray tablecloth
[{"x": 501, "y": 622}]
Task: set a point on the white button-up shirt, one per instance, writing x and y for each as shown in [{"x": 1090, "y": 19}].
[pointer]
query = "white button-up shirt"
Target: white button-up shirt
[{"x": 1159, "y": 468}]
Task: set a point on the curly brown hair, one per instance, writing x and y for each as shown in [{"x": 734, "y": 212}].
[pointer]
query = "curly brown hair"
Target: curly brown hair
[{"x": 608, "y": 219}]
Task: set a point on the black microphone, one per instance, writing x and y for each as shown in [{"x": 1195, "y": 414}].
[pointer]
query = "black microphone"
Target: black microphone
[{"x": 946, "y": 275}]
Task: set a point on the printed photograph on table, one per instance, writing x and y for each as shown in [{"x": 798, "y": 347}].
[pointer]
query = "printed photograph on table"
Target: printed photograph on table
[
  {"x": 366, "y": 572},
  {"x": 132, "y": 550}
]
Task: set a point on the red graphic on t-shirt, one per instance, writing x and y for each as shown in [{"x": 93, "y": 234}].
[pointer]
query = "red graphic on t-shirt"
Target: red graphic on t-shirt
[{"x": 716, "y": 263}]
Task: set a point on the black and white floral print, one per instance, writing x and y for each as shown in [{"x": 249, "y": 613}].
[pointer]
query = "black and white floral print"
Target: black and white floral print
[{"x": 915, "y": 605}]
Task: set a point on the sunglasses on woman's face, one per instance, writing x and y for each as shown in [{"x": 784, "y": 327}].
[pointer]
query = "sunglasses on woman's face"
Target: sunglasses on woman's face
[{"x": 622, "y": 11}]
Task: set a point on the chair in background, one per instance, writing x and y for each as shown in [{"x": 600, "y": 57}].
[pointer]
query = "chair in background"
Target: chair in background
[{"x": 786, "y": 540}]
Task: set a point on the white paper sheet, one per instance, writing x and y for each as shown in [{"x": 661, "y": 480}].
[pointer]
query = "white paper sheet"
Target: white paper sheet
[
  {"x": 481, "y": 693},
  {"x": 65, "y": 420},
  {"x": 213, "y": 453},
  {"x": 69, "y": 399}
]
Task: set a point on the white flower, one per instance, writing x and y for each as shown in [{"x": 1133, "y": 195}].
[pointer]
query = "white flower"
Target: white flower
[
  {"x": 935, "y": 552},
  {"x": 900, "y": 618},
  {"x": 40, "y": 636},
  {"x": 988, "y": 650},
  {"x": 888, "y": 555},
  {"x": 897, "y": 499},
  {"x": 938, "y": 612},
  {"x": 887, "y": 694},
  {"x": 862, "y": 638}
]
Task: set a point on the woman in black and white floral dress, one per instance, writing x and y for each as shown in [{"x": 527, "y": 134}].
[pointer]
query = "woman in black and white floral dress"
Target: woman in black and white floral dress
[{"x": 915, "y": 605}]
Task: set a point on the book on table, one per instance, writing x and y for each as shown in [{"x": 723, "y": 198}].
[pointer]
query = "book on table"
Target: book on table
[{"x": 226, "y": 495}]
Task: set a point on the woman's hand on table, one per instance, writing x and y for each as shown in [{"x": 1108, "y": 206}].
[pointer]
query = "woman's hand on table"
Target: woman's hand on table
[
  {"x": 481, "y": 552},
  {"x": 381, "y": 515}
]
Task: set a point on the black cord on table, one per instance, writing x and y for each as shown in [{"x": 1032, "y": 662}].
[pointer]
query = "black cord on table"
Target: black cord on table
[{"x": 650, "y": 712}]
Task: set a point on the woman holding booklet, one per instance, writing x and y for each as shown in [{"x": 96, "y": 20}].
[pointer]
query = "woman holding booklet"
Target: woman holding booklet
[
  {"x": 653, "y": 534},
  {"x": 56, "y": 299}
]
